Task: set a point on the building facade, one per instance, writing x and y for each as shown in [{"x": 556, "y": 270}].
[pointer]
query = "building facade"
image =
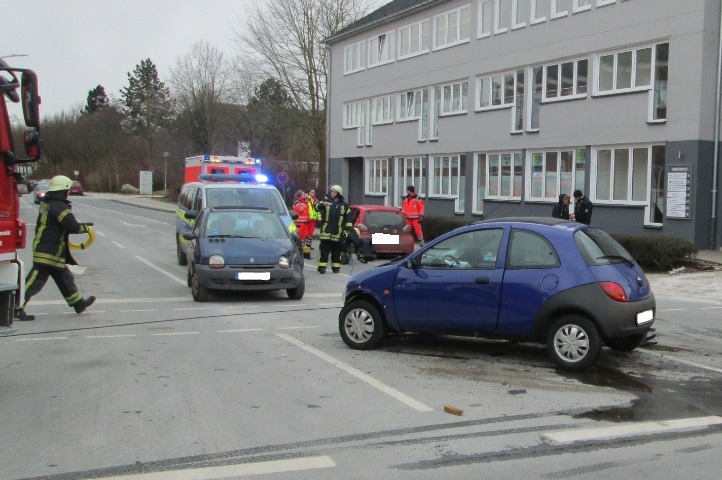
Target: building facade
[{"x": 493, "y": 108}]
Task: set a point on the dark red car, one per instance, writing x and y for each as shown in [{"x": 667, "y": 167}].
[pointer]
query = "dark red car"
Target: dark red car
[
  {"x": 76, "y": 188},
  {"x": 371, "y": 219}
]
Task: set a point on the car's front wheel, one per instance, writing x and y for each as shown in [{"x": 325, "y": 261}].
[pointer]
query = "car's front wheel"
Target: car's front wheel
[
  {"x": 199, "y": 292},
  {"x": 361, "y": 325},
  {"x": 573, "y": 342},
  {"x": 297, "y": 293},
  {"x": 182, "y": 259}
]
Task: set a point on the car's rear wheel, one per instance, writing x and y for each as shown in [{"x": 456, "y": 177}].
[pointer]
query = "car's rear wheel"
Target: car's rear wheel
[
  {"x": 361, "y": 325},
  {"x": 297, "y": 293},
  {"x": 182, "y": 259},
  {"x": 626, "y": 344},
  {"x": 199, "y": 292},
  {"x": 573, "y": 342}
]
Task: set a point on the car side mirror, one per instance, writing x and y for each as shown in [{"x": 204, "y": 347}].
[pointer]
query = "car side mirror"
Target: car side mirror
[
  {"x": 30, "y": 99},
  {"x": 189, "y": 236},
  {"x": 33, "y": 144},
  {"x": 191, "y": 214},
  {"x": 412, "y": 264}
]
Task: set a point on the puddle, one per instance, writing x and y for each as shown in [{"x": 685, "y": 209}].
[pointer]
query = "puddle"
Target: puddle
[{"x": 606, "y": 377}]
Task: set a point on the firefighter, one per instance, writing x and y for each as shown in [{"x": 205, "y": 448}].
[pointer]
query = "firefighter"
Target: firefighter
[
  {"x": 413, "y": 210},
  {"x": 304, "y": 222},
  {"x": 335, "y": 219},
  {"x": 51, "y": 255}
]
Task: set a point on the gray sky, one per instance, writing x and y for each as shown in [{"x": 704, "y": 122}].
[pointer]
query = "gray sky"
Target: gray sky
[{"x": 75, "y": 45}]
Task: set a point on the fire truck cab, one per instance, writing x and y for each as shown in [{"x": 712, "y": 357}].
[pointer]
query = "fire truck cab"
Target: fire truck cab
[{"x": 249, "y": 169}]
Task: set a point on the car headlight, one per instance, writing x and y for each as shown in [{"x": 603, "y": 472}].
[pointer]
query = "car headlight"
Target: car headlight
[
  {"x": 283, "y": 262},
  {"x": 216, "y": 261}
]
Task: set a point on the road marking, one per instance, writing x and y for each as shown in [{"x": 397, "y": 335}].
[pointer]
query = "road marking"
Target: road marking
[
  {"x": 323, "y": 295},
  {"x": 132, "y": 224},
  {"x": 709, "y": 308},
  {"x": 359, "y": 374},
  {"x": 190, "y": 308},
  {"x": 673, "y": 310},
  {"x": 236, "y": 307},
  {"x": 330, "y": 304},
  {"x": 168, "y": 274},
  {"x": 124, "y": 213},
  {"x": 97, "y": 232},
  {"x": 174, "y": 333},
  {"x": 633, "y": 429},
  {"x": 86, "y": 313},
  {"x": 76, "y": 270},
  {"x": 228, "y": 471},
  {"x": 240, "y": 330},
  {"x": 298, "y": 328},
  {"x": 109, "y": 336},
  {"x": 672, "y": 358},
  {"x": 119, "y": 300},
  {"x": 40, "y": 339},
  {"x": 117, "y": 244},
  {"x": 136, "y": 311}
]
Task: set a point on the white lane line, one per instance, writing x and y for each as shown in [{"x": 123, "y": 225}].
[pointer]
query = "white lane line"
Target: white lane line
[
  {"x": 127, "y": 214},
  {"x": 39, "y": 339},
  {"x": 337, "y": 304},
  {"x": 298, "y": 328},
  {"x": 633, "y": 429},
  {"x": 323, "y": 295},
  {"x": 359, "y": 374},
  {"x": 87, "y": 312},
  {"x": 99, "y": 233},
  {"x": 138, "y": 311},
  {"x": 110, "y": 336},
  {"x": 228, "y": 471},
  {"x": 120, "y": 300},
  {"x": 132, "y": 224},
  {"x": 182, "y": 281},
  {"x": 236, "y": 307},
  {"x": 117, "y": 244},
  {"x": 673, "y": 310},
  {"x": 672, "y": 358},
  {"x": 174, "y": 333},
  {"x": 709, "y": 308},
  {"x": 190, "y": 308},
  {"x": 240, "y": 330}
]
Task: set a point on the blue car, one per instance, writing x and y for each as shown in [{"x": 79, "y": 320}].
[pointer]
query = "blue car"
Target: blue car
[
  {"x": 242, "y": 249},
  {"x": 565, "y": 284}
]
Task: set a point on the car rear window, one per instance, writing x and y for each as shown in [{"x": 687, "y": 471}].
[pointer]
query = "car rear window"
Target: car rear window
[
  {"x": 598, "y": 248},
  {"x": 374, "y": 220},
  {"x": 245, "y": 197}
]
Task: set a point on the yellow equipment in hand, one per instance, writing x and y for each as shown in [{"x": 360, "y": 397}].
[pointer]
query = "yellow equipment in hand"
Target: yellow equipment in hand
[{"x": 88, "y": 242}]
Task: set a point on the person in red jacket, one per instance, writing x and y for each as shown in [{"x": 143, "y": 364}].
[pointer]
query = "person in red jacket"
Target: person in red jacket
[
  {"x": 413, "y": 210},
  {"x": 304, "y": 222}
]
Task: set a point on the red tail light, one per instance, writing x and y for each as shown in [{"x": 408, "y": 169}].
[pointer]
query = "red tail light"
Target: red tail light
[
  {"x": 362, "y": 227},
  {"x": 407, "y": 229},
  {"x": 614, "y": 291}
]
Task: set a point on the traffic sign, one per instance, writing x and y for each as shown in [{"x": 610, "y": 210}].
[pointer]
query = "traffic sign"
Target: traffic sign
[{"x": 282, "y": 177}]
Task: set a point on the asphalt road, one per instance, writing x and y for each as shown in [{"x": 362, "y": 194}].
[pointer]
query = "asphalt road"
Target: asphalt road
[{"x": 148, "y": 384}]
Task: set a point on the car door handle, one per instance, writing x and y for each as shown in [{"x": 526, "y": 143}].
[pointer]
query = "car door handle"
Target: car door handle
[{"x": 481, "y": 281}]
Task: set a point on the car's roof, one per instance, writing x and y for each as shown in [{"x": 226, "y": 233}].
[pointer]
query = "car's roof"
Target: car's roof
[
  {"x": 377, "y": 208},
  {"x": 549, "y": 221}
]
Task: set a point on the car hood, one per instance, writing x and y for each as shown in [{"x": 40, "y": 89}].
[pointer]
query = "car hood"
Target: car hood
[
  {"x": 245, "y": 251},
  {"x": 380, "y": 275}
]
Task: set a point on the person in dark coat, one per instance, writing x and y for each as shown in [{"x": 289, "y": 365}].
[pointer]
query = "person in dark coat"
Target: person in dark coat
[
  {"x": 335, "y": 220},
  {"x": 561, "y": 209},
  {"x": 582, "y": 208},
  {"x": 51, "y": 255}
]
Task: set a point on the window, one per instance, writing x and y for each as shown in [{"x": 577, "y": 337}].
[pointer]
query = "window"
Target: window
[
  {"x": 454, "y": 98},
  {"x": 413, "y": 173},
  {"x": 560, "y": 8},
  {"x": 539, "y": 11},
  {"x": 502, "y": 15},
  {"x": 537, "y": 91},
  {"x": 354, "y": 57},
  {"x": 381, "y": 110},
  {"x": 555, "y": 172},
  {"x": 659, "y": 97},
  {"x": 409, "y": 106},
  {"x": 602, "y": 3},
  {"x": 352, "y": 114},
  {"x": 519, "y": 13},
  {"x": 469, "y": 250},
  {"x": 503, "y": 175},
  {"x": 381, "y": 49},
  {"x": 453, "y": 27},
  {"x": 624, "y": 71},
  {"x": 448, "y": 175},
  {"x": 581, "y": 5},
  {"x": 414, "y": 39},
  {"x": 377, "y": 176},
  {"x": 518, "y": 119},
  {"x": 530, "y": 250},
  {"x": 486, "y": 17},
  {"x": 496, "y": 91},
  {"x": 565, "y": 80}
]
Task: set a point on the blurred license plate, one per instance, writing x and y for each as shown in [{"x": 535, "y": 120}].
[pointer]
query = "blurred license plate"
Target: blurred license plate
[
  {"x": 384, "y": 239},
  {"x": 253, "y": 276},
  {"x": 645, "y": 317}
]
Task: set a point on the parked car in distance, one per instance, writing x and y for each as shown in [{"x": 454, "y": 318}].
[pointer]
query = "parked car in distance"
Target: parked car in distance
[
  {"x": 40, "y": 190},
  {"x": 565, "y": 284},
  {"x": 76, "y": 188},
  {"x": 375, "y": 219},
  {"x": 242, "y": 249}
]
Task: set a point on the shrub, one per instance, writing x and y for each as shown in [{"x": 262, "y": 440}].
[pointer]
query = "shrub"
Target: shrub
[
  {"x": 436, "y": 226},
  {"x": 658, "y": 253}
]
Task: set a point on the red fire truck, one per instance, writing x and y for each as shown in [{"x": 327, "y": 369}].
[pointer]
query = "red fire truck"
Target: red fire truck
[
  {"x": 250, "y": 168},
  {"x": 17, "y": 85}
]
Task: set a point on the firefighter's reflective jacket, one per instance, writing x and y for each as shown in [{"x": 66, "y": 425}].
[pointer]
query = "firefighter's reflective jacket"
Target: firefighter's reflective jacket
[
  {"x": 55, "y": 222},
  {"x": 335, "y": 218}
]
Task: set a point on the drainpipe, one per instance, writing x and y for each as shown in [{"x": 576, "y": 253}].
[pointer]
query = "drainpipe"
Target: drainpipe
[{"x": 715, "y": 181}]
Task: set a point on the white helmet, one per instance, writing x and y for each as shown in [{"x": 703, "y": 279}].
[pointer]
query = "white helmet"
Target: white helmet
[
  {"x": 338, "y": 189},
  {"x": 60, "y": 182}
]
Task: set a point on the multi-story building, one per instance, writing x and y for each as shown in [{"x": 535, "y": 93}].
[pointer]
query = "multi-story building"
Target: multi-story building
[{"x": 494, "y": 108}]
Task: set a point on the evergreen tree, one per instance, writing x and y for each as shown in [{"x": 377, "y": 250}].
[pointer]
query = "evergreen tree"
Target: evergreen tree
[
  {"x": 146, "y": 103},
  {"x": 97, "y": 99}
]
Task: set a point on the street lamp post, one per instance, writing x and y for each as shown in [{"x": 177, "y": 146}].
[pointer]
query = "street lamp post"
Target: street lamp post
[{"x": 165, "y": 173}]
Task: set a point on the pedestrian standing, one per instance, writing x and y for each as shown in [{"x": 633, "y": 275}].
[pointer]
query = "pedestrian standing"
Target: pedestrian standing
[
  {"x": 335, "y": 219},
  {"x": 303, "y": 222},
  {"x": 314, "y": 214},
  {"x": 413, "y": 209},
  {"x": 582, "y": 208},
  {"x": 561, "y": 209},
  {"x": 51, "y": 255}
]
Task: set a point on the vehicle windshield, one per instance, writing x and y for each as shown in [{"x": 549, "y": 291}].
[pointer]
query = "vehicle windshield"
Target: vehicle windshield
[
  {"x": 598, "y": 248},
  {"x": 245, "y": 197},
  {"x": 245, "y": 224},
  {"x": 43, "y": 185},
  {"x": 379, "y": 220}
]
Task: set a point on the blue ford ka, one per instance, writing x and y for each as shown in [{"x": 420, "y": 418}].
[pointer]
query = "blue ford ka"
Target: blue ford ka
[{"x": 565, "y": 284}]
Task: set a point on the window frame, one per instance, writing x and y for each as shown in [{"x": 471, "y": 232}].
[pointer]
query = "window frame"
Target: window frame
[
  {"x": 349, "y": 106},
  {"x": 417, "y": 104},
  {"x": 386, "y": 100},
  {"x": 361, "y": 58},
  {"x": 459, "y": 41},
  {"x": 419, "y": 179},
  {"x": 463, "y": 98},
  {"x": 515, "y": 196},
  {"x": 480, "y": 86},
  {"x": 554, "y": 12},
  {"x": 457, "y": 196},
  {"x": 389, "y": 50},
  {"x": 480, "y": 19},
  {"x": 373, "y": 167},
  {"x": 423, "y": 25},
  {"x": 575, "y": 81},
  {"x": 529, "y": 171},
  {"x": 597, "y": 92},
  {"x": 533, "y": 18},
  {"x": 577, "y": 8}
]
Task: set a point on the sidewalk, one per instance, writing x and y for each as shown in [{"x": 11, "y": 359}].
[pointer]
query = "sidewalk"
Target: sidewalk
[{"x": 142, "y": 201}]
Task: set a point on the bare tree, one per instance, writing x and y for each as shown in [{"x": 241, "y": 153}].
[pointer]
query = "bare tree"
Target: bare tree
[
  {"x": 286, "y": 36},
  {"x": 201, "y": 84}
]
